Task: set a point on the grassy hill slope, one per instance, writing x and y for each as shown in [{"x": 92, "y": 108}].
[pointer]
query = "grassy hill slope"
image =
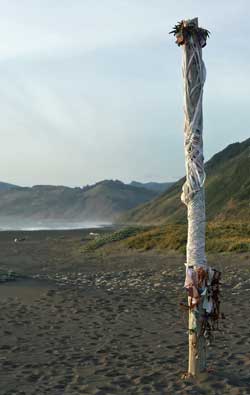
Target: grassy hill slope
[
  {"x": 7, "y": 186},
  {"x": 154, "y": 186},
  {"x": 227, "y": 191}
]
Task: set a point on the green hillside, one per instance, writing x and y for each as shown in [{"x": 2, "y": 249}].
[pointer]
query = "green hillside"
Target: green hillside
[
  {"x": 5, "y": 186},
  {"x": 154, "y": 186},
  {"x": 100, "y": 202},
  {"x": 227, "y": 192}
]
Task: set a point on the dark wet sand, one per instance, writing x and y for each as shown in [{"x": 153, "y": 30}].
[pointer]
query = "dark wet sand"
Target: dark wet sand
[{"x": 111, "y": 324}]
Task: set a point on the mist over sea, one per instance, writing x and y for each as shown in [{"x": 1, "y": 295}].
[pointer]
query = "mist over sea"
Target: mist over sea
[{"x": 49, "y": 225}]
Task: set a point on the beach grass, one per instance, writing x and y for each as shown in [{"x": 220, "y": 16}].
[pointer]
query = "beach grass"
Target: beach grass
[{"x": 220, "y": 237}]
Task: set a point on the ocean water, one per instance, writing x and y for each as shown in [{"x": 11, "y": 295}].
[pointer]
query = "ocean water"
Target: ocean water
[{"x": 52, "y": 226}]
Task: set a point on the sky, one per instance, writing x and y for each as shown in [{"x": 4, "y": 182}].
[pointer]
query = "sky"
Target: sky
[{"x": 92, "y": 89}]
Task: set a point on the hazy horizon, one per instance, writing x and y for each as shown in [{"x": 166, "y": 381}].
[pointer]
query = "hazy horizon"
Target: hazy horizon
[{"x": 93, "y": 90}]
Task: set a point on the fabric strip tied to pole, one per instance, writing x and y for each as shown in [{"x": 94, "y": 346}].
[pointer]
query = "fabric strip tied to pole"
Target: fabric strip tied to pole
[{"x": 194, "y": 76}]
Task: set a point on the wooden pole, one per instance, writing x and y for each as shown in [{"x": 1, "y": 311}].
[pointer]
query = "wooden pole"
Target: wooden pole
[
  {"x": 197, "y": 342},
  {"x": 192, "y": 39}
]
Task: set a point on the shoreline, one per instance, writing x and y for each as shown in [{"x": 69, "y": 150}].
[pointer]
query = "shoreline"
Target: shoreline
[{"x": 55, "y": 228}]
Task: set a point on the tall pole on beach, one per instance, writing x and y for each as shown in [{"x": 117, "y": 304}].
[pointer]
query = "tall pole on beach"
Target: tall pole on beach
[{"x": 192, "y": 38}]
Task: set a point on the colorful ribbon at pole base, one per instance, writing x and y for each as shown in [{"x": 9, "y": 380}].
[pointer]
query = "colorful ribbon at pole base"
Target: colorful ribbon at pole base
[{"x": 203, "y": 287}]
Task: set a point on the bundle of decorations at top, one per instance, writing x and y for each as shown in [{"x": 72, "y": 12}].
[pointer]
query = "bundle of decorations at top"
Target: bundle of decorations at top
[
  {"x": 203, "y": 287},
  {"x": 185, "y": 30}
]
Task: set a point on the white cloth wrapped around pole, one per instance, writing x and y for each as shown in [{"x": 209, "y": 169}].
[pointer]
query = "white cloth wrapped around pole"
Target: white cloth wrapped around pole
[
  {"x": 194, "y": 75},
  {"x": 193, "y": 38},
  {"x": 202, "y": 282}
]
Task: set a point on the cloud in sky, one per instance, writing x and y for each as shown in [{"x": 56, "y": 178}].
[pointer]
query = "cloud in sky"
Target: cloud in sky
[{"x": 93, "y": 90}]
